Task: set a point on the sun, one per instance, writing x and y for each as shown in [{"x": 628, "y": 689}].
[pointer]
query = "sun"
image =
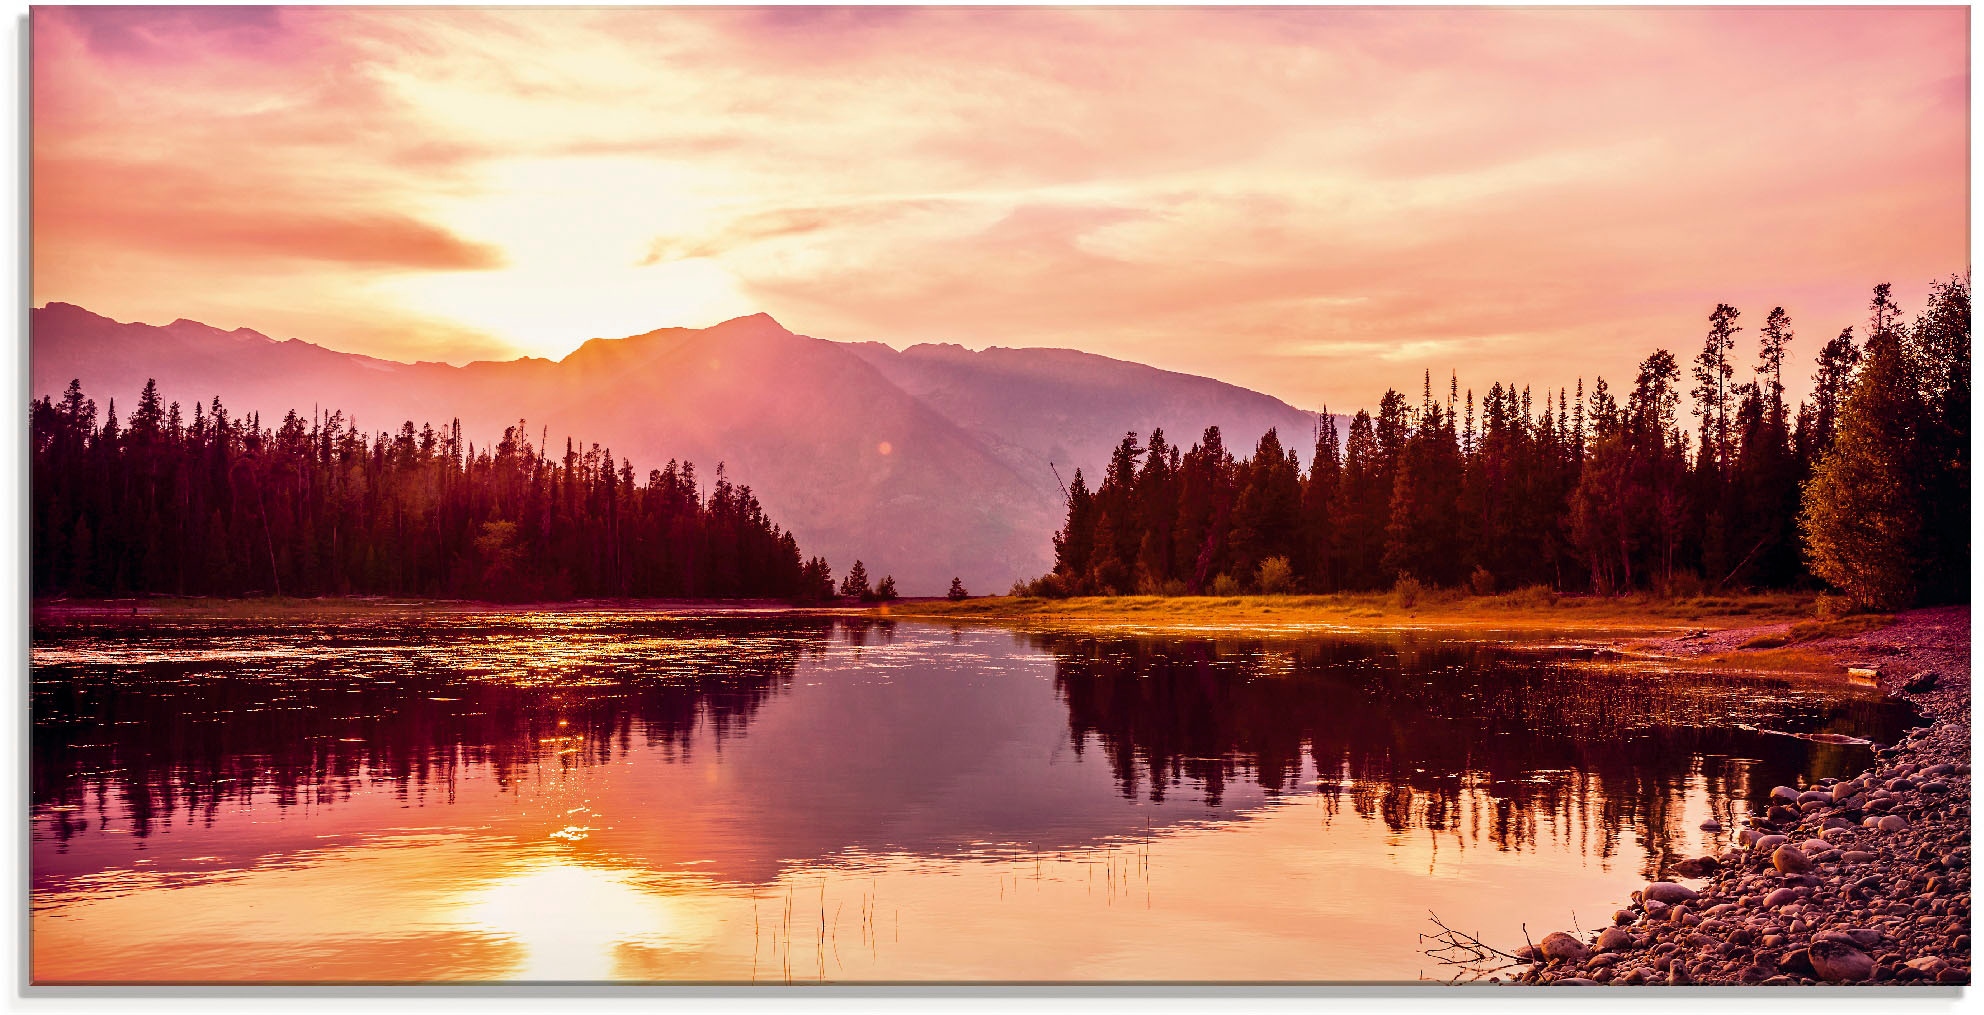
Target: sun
[{"x": 576, "y": 236}]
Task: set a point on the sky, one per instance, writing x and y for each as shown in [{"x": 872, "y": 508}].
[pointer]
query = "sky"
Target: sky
[{"x": 1315, "y": 203}]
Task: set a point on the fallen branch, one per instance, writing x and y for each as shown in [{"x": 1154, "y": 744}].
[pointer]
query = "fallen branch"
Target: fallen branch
[{"x": 1471, "y": 956}]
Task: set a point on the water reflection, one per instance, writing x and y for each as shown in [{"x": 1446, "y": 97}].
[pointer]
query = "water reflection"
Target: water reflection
[
  {"x": 732, "y": 797},
  {"x": 1431, "y": 735}
]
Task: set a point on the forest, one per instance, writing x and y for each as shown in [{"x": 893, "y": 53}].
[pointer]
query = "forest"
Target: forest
[
  {"x": 159, "y": 503},
  {"x": 1862, "y": 490}
]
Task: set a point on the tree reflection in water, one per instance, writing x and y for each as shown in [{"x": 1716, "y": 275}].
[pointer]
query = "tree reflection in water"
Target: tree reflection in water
[
  {"x": 150, "y": 721},
  {"x": 1437, "y": 736}
]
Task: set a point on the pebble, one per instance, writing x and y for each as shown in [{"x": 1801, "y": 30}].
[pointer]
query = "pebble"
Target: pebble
[
  {"x": 1857, "y": 880},
  {"x": 1668, "y": 893},
  {"x": 1840, "y": 962},
  {"x": 1559, "y": 945},
  {"x": 1790, "y": 860},
  {"x": 1782, "y": 897}
]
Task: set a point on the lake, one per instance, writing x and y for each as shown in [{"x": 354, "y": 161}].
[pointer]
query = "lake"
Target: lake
[{"x": 739, "y": 796}]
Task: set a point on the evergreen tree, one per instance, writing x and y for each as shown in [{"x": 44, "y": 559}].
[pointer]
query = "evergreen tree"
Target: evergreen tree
[
  {"x": 1319, "y": 492},
  {"x": 1837, "y": 361},
  {"x": 1862, "y": 519},
  {"x": 225, "y": 506},
  {"x": 957, "y": 590},
  {"x": 855, "y": 585}
]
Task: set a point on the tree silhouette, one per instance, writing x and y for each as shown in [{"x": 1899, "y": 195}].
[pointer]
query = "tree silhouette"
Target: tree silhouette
[
  {"x": 211, "y": 504},
  {"x": 1510, "y": 490},
  {"x": 855, "y": 585}
]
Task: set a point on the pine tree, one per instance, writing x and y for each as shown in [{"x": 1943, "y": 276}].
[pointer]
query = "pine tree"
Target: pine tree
[
  {"x": 1862, "y": 519},
  {"x": 855, "y": 585},
  {"x": 886, "y": 591},
  {"x": 957, "y": 590},
  {"x": 1837, "y": 361},
  {"x": 1318, "y": 495}
]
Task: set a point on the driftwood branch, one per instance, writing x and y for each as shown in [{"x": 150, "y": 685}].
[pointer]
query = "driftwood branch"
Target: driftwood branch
[{"x": 1471, "y": 957}]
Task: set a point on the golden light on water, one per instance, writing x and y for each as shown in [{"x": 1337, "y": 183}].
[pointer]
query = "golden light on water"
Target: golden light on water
[{"x": 571, "y": 919}]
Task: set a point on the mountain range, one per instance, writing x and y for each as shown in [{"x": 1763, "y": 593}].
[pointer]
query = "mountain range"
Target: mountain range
[{"x": 927, "y": 463}]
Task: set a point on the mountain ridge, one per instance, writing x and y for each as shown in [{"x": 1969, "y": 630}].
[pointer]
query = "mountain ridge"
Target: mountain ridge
[{"x": 928, "y": 463}]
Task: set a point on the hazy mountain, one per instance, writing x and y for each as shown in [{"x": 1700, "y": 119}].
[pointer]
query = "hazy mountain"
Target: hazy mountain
[{"x": 925, "y": 463}]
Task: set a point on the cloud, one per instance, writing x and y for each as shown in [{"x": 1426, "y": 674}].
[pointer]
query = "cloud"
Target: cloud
[
  {"x": 180, "y": 213},
  {"x": 1317, "y": 202}
]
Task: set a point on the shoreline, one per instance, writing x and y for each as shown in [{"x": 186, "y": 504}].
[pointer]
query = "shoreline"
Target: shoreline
[
  {"x": 1857, "y": 881},
  {"x": 216, "y": 608}
]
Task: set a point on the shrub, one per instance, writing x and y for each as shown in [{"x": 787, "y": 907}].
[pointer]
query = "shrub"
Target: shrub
[
  {"x": 1532, "y": 597},
  {"x": 1225, "y": 586},
  {"x": 1053, "y": 585},
  {"x": 1482, "y": 581},
  {"x": 1407, "y": 591},
  {"x": 1684, "y": 584},
  {"x": 1275, "y": 576}
]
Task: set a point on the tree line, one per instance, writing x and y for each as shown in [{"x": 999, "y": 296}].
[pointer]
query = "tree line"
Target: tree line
[
  {"x": 1863, "y": 487},
  {"x": 217, "y": 504}
]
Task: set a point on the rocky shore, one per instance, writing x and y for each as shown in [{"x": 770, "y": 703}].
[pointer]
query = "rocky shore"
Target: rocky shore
[{"x": 1857, "y": 881}]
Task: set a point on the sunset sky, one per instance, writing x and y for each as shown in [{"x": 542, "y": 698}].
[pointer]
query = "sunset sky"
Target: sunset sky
[{"x": 1313, "y": 203}]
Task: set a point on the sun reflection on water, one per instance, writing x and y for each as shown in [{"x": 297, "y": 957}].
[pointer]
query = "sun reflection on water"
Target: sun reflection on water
[{"x": 571, "y": 919}]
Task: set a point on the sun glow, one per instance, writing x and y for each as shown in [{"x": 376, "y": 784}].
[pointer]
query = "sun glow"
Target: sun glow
[
  {"x": 571, "y": 919},
  {"x": 578, "y": 237}
]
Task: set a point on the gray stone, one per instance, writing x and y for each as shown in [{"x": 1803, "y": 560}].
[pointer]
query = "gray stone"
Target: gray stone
[
  {"x": 1614, "y": 939},
  {"x": 1783, "y": 897},
  {"x": 1790, "y": 860},
  {"x": 1559, "y": 945},
  {"x": 1862, "y": 937},
  {"x": 1840, "y": 962},
  {"x": 1668, "y": 893},
  {"x": 1892, "y": 823}
]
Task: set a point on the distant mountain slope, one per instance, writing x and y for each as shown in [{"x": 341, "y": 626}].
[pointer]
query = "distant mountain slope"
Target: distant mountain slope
[
  {"x": 1036, "y": 406},
  {"x": 926, "y": 463}
]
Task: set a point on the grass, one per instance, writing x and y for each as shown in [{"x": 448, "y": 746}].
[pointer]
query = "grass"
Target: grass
[
  {"x": 1781, "y": 660},
  {"x": 255, "y": 607},
  {"x": 1813, "y": 630},
  {"x": 1534, "y": 610}
]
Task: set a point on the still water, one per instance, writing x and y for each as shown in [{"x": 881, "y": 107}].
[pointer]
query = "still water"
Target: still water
[{"x": 774, "y": 798}]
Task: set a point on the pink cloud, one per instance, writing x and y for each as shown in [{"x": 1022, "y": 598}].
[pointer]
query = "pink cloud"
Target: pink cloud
[{"x": 1316, "y": 202}]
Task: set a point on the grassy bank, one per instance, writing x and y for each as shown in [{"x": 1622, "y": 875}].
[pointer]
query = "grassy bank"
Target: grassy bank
[
  {"x": 1527, "y": 611},
  {"x": 199, "y": 607}
]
